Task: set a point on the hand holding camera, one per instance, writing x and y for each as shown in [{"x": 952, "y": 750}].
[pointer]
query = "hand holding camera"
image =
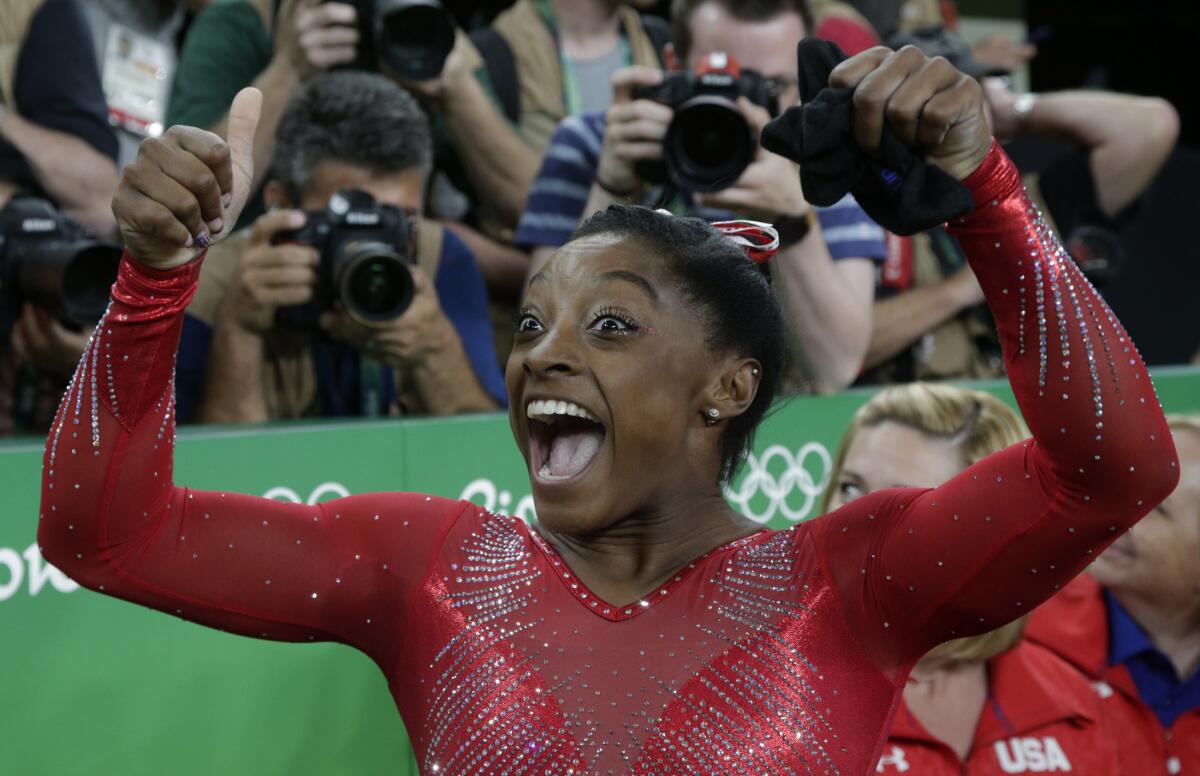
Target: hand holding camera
[
  {"x": 633, "y": 130},
  {"x": 185, "y": 190},
  {"x": 323, "y": 35},
  {"x": 49, "y": 261},
  {"x": 769, "y": 188},
  {"x": 271, "y": 276},
  {"x": 446, "y": 83},
  {"x": 39, "y": 339},
  {"x": 405, "y": 342},
  {"x": 708, "y": 143},
  {"x": 366, "y": 255}
]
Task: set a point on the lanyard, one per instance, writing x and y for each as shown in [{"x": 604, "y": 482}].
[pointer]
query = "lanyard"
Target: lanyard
[
  {"x": 371, "y": 387},
  {"x": 344, "y": 374},
  {"x": 572, "y": 95}
]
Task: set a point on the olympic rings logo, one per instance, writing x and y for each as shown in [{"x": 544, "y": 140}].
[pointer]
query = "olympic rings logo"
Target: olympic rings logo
[
  {"x": 770, "y": 482},
  {"x": 322, "y": 492}
]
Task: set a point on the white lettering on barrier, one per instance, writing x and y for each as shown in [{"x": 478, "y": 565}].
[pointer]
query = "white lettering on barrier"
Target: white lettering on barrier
[
  {"x": 485, "y": 493},
  {"x": 16, "y": 572},
  {"x": 39, "y": 573},
  {"x": 796, "y": 477}
]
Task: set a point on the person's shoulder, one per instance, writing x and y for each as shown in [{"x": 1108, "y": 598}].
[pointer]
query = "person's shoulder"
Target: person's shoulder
[
  {"x": 466, "y": 522},
  {"x": 455, "y": 248},
  {"x": 239, "y": 13},
  {"x": 1073, "y": 625},
  {"x": 226, "y": 25},
  {"x": 582, "y": 129},
  {"x": 1050, "y": 669},
  {"x": 849, "y": 232}
]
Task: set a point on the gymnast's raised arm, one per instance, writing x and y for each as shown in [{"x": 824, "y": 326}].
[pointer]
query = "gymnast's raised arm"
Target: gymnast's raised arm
[
  {"x": 112, "y": 517},
  {"x": 915, "y": 568}
]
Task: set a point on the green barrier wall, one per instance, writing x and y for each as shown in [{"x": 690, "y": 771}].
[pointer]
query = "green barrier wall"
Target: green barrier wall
[{"x": 89, "y": 685}]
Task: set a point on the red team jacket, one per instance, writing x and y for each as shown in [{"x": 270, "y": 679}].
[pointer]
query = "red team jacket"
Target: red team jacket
[
  {"x": 1074, "y": 625},
  {"x": 1042, "y": 716}
]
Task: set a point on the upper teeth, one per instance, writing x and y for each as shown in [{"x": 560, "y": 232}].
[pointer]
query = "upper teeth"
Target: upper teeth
[{"x": 547, "y": 407}]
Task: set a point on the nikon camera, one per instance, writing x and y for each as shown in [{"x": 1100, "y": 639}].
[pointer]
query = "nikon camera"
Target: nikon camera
[
  {"x": 411, "y": 37},
  {"x": 709, "y": 142},
  {"x": 366, "y": 250},
  {"x": 50, "y": 260}
]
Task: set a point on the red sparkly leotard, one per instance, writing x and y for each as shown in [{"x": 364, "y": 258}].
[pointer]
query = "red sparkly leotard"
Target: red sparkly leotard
[{"x": 783, "y": 652}]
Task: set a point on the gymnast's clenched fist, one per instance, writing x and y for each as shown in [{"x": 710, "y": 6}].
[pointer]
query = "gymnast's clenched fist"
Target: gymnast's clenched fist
[
  {"x": 185, "y": 190},
  {"x": 928, "y": 103}
]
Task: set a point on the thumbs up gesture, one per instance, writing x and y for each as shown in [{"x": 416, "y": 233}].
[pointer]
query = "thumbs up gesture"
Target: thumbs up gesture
[{"x": 185, "y": 190}]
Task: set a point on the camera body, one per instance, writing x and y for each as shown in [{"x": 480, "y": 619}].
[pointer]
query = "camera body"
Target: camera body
[
  {"x": 709, "y": 143},
  {"x": 412, "y": 38},
  {"x": 366, "y": 250},
  {"x": 50, "y": 260}
]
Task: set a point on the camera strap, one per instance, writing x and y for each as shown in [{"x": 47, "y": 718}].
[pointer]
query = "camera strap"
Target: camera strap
[{"x": 373, "y": 399}]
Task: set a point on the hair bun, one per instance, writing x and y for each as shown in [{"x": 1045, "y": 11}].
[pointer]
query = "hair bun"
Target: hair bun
[{"x": 759, "y": 241}]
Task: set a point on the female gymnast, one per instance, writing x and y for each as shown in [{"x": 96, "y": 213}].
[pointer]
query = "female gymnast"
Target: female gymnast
[{"x": 641, "y": 626}]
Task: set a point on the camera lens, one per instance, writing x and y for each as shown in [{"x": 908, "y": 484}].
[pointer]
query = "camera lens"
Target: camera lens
[
  {"x": 87, "y": 282},
  {"x": 71, "y": 278},
  {"x": 708, "y": 144},
  {"x": 374, "y": 285},
  {"x": 414, "y": 37}
]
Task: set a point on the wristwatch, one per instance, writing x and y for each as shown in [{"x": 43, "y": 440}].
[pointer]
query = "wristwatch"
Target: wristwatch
[
  {"x": 793, "y": 229},
  {"x": 1023, "y": 106}
]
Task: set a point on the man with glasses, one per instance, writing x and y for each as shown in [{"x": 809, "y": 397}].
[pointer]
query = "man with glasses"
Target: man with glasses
[{"x": 824, "y": 272}]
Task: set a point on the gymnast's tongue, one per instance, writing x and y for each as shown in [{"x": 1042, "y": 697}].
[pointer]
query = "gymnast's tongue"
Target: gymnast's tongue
[{"x": 572, "y": 448}]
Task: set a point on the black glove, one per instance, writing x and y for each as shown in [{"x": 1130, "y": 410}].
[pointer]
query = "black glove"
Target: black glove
[{"x": 903, "y": 193}]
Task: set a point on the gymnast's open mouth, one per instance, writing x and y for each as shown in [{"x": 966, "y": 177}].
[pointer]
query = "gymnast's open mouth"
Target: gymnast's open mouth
[{"x": 564, "y": 439}]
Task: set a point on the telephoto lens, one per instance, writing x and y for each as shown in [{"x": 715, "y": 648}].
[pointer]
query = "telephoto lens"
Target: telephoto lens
[
  {"x": 366, "y": 254},
  {"x": 50, "y": 260},
  {"x": 413, "y": 37},
  {"x": 373, "y": 282},
  {"x": 709, "y": 143}
]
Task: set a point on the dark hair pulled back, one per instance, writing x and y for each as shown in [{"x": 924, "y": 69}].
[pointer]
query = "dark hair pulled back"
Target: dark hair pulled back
[{"x": 740, "y": 312}]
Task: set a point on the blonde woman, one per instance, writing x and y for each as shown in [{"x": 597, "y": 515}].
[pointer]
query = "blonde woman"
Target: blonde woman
[{"x": 988, "y": 704}]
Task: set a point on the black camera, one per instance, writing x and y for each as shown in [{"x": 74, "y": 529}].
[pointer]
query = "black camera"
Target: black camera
[
  {"x": 709, "y": 142},
  {"x": 366, "y": 251},
  {"x": 49, "y": 259},
  {"x": 412, "y": 37}
]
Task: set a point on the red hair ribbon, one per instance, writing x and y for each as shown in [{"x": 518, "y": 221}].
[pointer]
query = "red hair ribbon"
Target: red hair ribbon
[{"x": 760, "y": 241}]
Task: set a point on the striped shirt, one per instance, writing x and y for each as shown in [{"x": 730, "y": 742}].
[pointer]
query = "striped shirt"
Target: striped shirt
[{"x": 560, "y": 192}]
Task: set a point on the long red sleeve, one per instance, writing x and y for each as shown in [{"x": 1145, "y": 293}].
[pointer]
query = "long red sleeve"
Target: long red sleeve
[
  {"x": 112, "y": 518},
  {"x": 776, "y": 653},
  {"x": 915, "y": 568}
]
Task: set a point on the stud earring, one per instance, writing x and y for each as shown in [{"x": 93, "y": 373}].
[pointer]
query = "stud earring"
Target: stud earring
[
  {"x": 754, "y": 370},
  {"x": 714, "y": 413}
]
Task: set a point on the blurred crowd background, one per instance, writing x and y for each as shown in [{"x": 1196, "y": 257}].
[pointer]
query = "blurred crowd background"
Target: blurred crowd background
[{"x": 442, "y": 151}]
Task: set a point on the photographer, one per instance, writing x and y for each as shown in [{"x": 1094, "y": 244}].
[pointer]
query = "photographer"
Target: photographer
[
  {"x": 55, "y": 143},
  {"x": 345, "y": 129},
  {"x": 824, "y": 273}
]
